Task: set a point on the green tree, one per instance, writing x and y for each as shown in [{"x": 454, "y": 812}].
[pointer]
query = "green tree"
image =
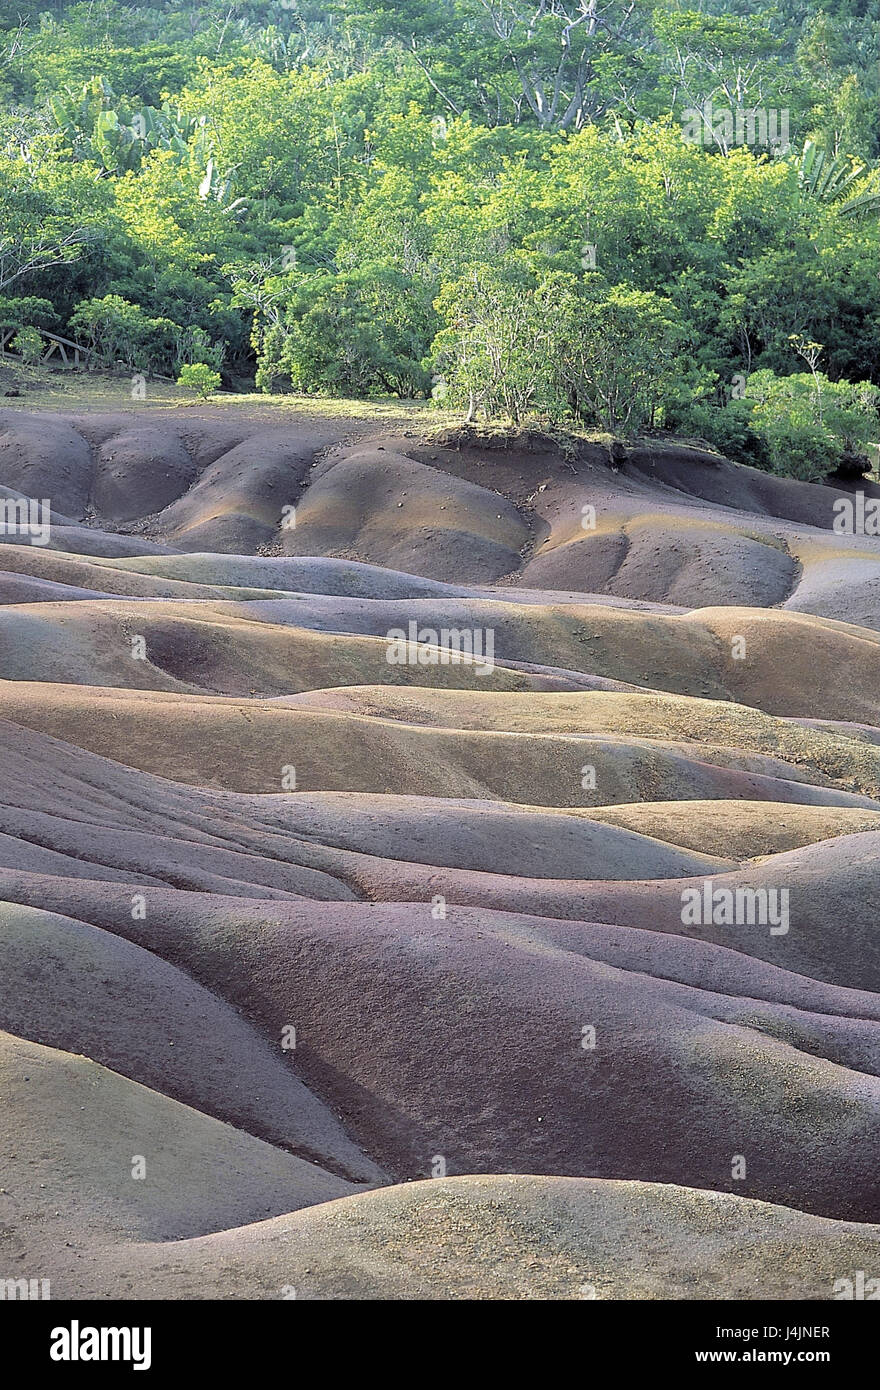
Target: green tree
[
  {"x": 199, "y": 377},
  {"x": 121, "y": 334}
]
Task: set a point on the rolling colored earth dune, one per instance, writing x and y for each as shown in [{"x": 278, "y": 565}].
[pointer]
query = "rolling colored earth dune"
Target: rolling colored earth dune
[{"x": 431, "y": 869}]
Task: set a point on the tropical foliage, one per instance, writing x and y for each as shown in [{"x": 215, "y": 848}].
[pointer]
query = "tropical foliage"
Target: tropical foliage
[{"x": 590, "y": 211}]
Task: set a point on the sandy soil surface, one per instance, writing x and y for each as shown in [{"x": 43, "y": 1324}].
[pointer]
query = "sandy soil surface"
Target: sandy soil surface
[{"x": 336, "y": 959}]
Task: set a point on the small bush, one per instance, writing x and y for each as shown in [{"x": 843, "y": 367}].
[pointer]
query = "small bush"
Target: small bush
[
  {"x": 799, "y": 426},
  {"x": 28, "y": 343},
  {"x": 808, "y": 422},
  {"x": 123, "y": 336},
  {"x": 199, "y": 377}
]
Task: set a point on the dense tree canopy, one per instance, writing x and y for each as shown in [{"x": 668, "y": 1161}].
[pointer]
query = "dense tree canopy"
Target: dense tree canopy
[{"x": 590, "y": 210}]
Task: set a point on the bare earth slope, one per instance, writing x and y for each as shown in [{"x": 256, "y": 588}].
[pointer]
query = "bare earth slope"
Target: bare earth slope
[{"x": 467, "y": 891}]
